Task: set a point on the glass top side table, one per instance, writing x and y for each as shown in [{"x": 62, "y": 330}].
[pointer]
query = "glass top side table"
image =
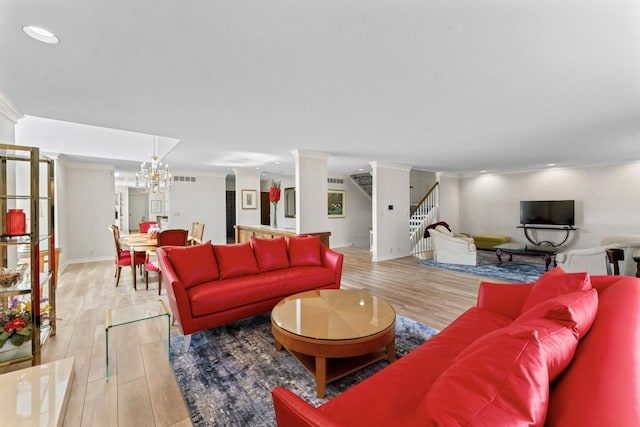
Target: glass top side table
[{"x": 136, "y": 313}]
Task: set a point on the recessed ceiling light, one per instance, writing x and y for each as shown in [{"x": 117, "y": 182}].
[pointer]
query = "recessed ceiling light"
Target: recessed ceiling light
[
  {"x": 41, "y": 34},
  {"x": 483, "y": 171},
  {"x": 360, "y": 169},
  {"x": 117, "y": 174},
  {"x": 550, "y": 164}
]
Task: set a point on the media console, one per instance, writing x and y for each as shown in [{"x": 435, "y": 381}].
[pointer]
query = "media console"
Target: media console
[{"x": 567, "y": 229}]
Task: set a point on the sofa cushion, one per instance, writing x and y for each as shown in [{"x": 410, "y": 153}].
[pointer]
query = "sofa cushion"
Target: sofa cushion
[
  {"x": 576, "y": 310},
  {"x": 504, "y": 382},
  {"x": 304, "y": 250},
  {"x": 271, "y": 254},
  {"x": 553, "y": 283},
  {"x": 558, "y": 340},
  {"x": 193, "y": 264},
  {"x": 214, "y": 297},
  {"x": 235, "y": 260}
]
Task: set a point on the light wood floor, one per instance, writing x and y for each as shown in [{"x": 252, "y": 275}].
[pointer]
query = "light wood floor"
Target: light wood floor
[{"x": 142, "y": 390}]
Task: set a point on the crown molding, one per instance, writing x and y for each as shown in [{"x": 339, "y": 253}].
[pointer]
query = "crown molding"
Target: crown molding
[
  {"x": 299, "y": 154},
  {"x": 9, "y": 110},
  {"x": 379, "y": 164}
]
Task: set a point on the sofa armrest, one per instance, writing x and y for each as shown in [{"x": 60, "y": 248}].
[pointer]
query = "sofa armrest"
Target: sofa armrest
[
  {"x": 176, "y": 293},
  {"x": 292, "y": 411},
  {"x": 333, "y": 260},
  {"x": 503, "y": 298}
]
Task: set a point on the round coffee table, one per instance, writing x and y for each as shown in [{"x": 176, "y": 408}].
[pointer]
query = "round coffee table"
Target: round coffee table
[{"x": 334, "y": 332}]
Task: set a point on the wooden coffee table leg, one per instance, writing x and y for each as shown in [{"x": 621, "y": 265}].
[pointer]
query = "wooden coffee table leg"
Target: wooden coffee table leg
[
  {"x": 391, "y": 351},
  {"x": 278, "y": 345},
  {"x": 321, "y": 375}
]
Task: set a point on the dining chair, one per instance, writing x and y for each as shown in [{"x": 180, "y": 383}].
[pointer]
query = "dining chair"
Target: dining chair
[
  {"x": 172, "y": 237},
  {"x": 197, "y": 233},
  {"x": 144, "y": 226},
  {"x": 123, "y": 257}
]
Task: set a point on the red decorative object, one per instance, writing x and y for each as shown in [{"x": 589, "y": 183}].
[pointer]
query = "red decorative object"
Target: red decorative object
[
  {"x": 274, "y": 192},
  {"x": 16, "y": 222}
]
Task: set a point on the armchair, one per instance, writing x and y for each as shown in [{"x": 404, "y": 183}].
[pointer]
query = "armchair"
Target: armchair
[
  {"x": 591, "y": 260},
  {"x": 452, "y": 248}
]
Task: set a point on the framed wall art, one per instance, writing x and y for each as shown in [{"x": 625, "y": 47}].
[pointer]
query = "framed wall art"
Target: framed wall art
[
  {"x": 249, "y": 199},
  {"x": 336, "y": 204},
  {"x": 290, "y": 202},
  {"x": 156, "y": 206}
]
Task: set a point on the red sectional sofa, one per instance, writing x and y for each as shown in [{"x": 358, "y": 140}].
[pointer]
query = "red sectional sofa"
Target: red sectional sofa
[
  {"x": 210, "y": 285},
  {"x": 564, "y": 351}
]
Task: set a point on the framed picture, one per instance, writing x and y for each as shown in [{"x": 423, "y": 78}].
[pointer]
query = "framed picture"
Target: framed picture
[
  {"x": 249, "y": 199},
  {"x": 290, "y": 202},
  {"x": 156, "y": 206},
  {"x": 336, "y": 204}
]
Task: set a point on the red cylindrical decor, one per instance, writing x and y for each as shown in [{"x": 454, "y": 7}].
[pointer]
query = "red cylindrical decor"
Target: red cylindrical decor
[{"x": 16, "y": 222}]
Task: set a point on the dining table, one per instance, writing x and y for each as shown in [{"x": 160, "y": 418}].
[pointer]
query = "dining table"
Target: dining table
[{"x": 139, "y": 242}]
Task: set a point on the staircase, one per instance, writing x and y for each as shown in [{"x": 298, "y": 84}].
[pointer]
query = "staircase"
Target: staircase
[
  {"x": 424, "y": 213},
  {"x": 364, "y": 181},
  {"x": 427, "y": 212}
]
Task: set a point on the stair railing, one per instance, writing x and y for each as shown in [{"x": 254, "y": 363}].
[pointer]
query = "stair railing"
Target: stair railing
[{"x": 426, "y": 212}]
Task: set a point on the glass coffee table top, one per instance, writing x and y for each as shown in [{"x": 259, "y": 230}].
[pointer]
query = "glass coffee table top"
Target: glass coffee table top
[{"x": 335, "y": 314}]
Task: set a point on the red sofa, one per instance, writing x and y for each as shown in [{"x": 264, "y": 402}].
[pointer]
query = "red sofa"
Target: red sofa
[
  {"x": 564, "y": 351},
  {"x": 210, "y": 285}
]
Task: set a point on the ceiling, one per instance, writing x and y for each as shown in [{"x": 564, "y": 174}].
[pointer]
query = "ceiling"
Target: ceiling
[{"x": 452, "y": 86}]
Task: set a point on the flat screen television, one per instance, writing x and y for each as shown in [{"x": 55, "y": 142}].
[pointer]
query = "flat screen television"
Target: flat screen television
[{"x": 547, "y": 212}]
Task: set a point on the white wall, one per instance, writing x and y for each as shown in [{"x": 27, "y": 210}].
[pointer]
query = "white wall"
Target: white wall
[
  {"x": 353, "y": 229},
  {"x": 311, "y": 191},
  {"x": 247, "y": 179},
  {"x": 138, "y": 208},
  {"x": 87, "y": 207},
  {"x": 420, "y": 182},
  {"x": 285, "y": 182},
  {"x": 450, "y": 201},
  {"x": 390, "y": 226},
  {"x": 606, "y": 197},
  {"x": 202, "y": 201}
]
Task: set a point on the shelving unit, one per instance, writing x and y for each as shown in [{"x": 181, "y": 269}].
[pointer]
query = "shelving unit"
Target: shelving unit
[{"x": 27, "y": 183}]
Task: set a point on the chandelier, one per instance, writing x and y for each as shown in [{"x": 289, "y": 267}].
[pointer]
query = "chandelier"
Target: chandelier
[{"x": 153, "y": 177}]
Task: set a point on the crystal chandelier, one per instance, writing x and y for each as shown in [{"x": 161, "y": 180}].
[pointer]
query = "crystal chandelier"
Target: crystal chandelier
[{"x": 153, "y": 177}]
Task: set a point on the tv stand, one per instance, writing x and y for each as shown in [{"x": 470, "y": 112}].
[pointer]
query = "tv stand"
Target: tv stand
[{"x": 566, "y": 228}]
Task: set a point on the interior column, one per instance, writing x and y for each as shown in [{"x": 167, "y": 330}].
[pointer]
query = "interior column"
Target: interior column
[{"x": 311, "y": 191}]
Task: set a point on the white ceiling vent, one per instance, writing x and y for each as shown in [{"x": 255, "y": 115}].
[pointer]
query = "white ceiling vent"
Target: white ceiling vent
[{"x": 184, "y": 179}]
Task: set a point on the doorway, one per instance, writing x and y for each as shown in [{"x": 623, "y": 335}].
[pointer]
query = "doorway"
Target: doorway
[
  {"x": 231, "y": 216},
  {"x": 138, "y": 208},
  {"x": 265, "y": 208}
]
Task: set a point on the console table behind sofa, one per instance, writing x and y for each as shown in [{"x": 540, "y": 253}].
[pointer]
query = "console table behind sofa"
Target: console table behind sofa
[{"x": 244, "y": 233}]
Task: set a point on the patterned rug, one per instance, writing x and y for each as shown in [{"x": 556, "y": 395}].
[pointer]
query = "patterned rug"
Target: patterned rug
[
  {"x": 228, "y": 373},
  {"x": 520, "y": 270}
]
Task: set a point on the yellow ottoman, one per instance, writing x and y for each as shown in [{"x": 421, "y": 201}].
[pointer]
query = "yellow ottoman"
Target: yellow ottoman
[{"x": 488, "y": 241}]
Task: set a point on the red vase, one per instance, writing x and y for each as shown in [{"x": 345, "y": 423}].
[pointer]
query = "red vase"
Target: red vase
[{"x": 15, "y": 221}]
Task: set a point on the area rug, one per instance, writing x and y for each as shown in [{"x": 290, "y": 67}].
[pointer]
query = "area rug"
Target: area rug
[
  {"x": 520, "y": 270},
  {"x": 227, "y": 375}
]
